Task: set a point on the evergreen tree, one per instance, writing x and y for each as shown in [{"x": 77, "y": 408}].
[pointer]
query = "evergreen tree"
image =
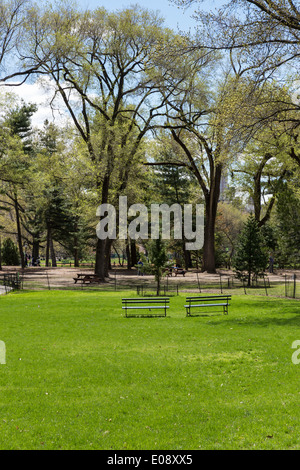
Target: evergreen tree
[
  {"x": 10, "y": 256},
  {"x": 250, "y": 255},
  {"x": 158, "y": 258},
  {"x": 18, "y": 122}
]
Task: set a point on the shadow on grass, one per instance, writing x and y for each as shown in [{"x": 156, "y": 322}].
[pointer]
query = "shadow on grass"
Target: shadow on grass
[{"x": 264, "y": 313}]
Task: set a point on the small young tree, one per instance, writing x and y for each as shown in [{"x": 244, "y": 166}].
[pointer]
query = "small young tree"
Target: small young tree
[
  {"x": 10, "y": 256},
  {"x": 158, "y": 258},
  {"x": 250, "y": 255}
]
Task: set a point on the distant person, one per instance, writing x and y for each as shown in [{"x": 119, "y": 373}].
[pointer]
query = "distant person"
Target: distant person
[{"x": 140, "y": 268}]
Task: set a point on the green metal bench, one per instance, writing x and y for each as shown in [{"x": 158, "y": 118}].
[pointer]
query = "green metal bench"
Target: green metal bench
[
  {"x": 209, "y": 301},
  {"x": 151, "y": 306}
]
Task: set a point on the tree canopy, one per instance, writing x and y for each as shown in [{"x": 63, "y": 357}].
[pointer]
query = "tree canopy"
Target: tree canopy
[{"x": 211, "y": 117}]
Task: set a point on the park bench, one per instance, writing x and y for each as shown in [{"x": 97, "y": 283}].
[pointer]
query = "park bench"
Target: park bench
[
  {"x": 86, "y": 278},
  {"x": 149, "y": 304},
  {"x": 208, "y": 301},
  {"x": 168, "y": 272},
  {"x": 179, "y": 271}
]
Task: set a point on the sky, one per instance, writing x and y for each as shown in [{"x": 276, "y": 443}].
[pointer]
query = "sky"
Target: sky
[
  {"x": 175, "y": 18},
  {"x": 173, "y": 15}
]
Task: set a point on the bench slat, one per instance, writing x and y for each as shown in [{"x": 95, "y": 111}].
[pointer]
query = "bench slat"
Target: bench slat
[
  {"x": 146, "y": 302},
  {"x": 150, "y": 307},
  {"x": 208, "y": 298},
  {"x": 161, "y": 299},
  {"x": 207, "y": 305}
]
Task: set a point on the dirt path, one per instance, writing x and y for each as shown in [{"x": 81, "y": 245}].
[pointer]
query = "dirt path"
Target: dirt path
[{"x": 64, "y": 277}]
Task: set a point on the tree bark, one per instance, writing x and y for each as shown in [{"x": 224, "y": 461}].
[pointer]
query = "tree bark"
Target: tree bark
[
  {"x": 102, "y": 258},
  {"x": 36, "y": 247},
  {"x": 211, "y": 206},
  {"x": 52, "y": 251},
  {"x": 133, "y": 252},
  {"x": 103, "y": 247},
  {"x": 19, "y": 233}
]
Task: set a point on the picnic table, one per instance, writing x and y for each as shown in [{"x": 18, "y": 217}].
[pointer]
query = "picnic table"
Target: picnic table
[
  {"x": 85, "y": 278},
  {"x": 176, "y": 270}
]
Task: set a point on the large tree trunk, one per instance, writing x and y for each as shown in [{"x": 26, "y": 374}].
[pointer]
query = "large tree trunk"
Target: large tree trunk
[
  {"x": 208, "y": 261},
  {"x": 47, "y": 247},
  {"x": 128, "y": 255},
  {"x": 52, "y": 251},
  {"x": 102, "y": 258},
  {"x": 19, "y": 234},
  {"x": 76, "y": 254},
  {"x": 103, "y": 246},
  {"x": 36, "y": 246},
  {"x": 133, "y": 253},
  {"x": 211, "y": 206}
]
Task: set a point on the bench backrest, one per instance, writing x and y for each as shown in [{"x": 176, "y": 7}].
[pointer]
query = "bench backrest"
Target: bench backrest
[
  {"x": 147, "y": 300},
  {"x": 207, "y": 298}
]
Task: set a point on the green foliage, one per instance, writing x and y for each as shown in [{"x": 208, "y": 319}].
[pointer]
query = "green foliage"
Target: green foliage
[
  {"x": 157, "y": 260},
  {"x": 10, "y": 255},
  {"x": 288, "y": 226},
  {"x": 157, "y": 254},
  {"x": 19, "y": 123},
  {"x": 250, "y": 255}
]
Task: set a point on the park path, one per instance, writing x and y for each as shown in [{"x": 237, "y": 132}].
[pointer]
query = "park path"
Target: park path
[{"x": 4, "y": 290}]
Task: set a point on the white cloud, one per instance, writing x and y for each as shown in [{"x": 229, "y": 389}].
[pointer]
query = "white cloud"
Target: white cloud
[{"x": 41, "y": 94}]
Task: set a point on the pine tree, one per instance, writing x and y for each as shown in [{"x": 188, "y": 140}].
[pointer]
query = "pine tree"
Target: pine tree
[
  {"x": 250, "y": 255},
  {"x": 10, "y": 256}
]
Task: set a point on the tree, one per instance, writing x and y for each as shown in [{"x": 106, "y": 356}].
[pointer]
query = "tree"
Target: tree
[
  {"x": 250, "y": 255},
  {"x": 158, "y": 258},
  {"x": 12, "y": 19},
  {"x": 10, "y": 255},
  {"x": 171, "y": 185},
  {"x": 260, "y": 172},
  {"x": 17, "y": 123},
  {"x": 287, "y": 223},
  {"x": 265, "y": 34},
  {"x": 205, "y": 124},
  {"x": 102, "y": 65},
  {"x": 229, "y": 223}
]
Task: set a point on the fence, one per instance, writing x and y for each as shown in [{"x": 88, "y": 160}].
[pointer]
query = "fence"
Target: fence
[
  {"x": 287, "y": 285},
  {"x": 11, "y": 281}
]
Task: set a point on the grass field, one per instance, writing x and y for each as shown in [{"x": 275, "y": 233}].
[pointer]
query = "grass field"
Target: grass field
[{"x": 79, "y": 375}]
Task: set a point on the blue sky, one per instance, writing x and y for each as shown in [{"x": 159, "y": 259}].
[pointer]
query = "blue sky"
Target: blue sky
[{"x": 173, "y": 15}]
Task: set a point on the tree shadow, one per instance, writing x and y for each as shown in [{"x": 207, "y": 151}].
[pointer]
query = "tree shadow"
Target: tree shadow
[{"x": 272, "y": 313}]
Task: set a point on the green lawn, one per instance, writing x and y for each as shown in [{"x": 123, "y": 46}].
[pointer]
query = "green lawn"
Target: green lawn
[{"x": 79, "y": 375}]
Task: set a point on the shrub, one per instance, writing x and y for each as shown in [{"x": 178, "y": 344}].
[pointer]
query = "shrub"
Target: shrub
[{"x": 10, "y": 255}]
